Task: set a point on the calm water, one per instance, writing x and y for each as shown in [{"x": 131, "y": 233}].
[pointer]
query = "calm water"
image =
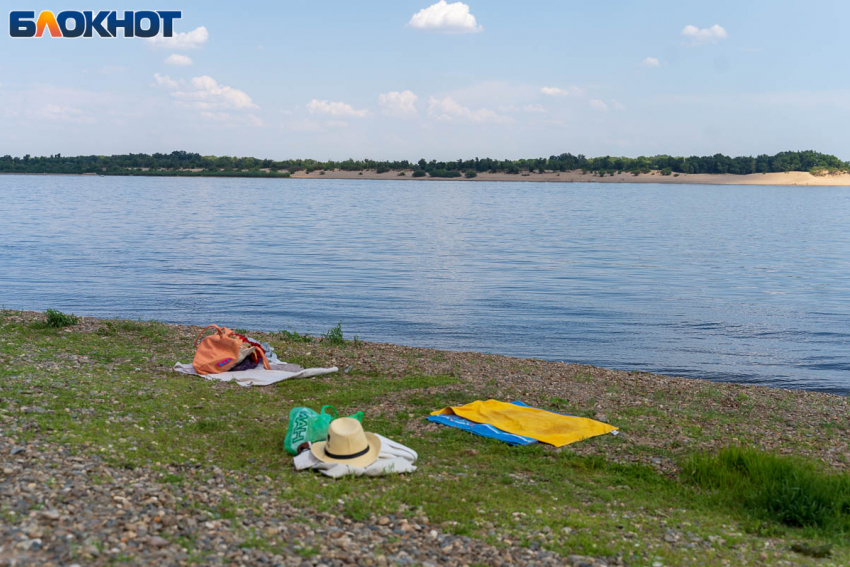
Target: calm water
[{"x": 743, "y": 284}]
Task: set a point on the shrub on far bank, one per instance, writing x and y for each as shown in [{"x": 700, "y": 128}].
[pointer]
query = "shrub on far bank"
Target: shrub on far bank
[
  {"x": 787, "y": 490},
  {"x": 443, "y": 173},
  {"x": 666, "y": 171},
  {"x": 824, "y": 171},
  {"x": 419, "y": 173},
  {"x": 382, "y": 169},
  {"x": 470, "y": 174}
]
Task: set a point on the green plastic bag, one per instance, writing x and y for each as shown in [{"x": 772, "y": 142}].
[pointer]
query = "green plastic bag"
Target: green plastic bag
[{"x": 307, "y": 426}]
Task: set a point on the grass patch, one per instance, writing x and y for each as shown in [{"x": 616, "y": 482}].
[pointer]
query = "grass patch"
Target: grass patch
[
  {"x": 788, "y": 490},
  {"x": 57, "y": 320},
  {"x": 334, "y": 336},
  {"x": 293, "y": 337}
]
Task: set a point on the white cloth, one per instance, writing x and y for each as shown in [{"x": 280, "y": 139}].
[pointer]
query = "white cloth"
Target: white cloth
[
  {"x": 259, "y": 376},
  {"x": 393, "y": 458}
]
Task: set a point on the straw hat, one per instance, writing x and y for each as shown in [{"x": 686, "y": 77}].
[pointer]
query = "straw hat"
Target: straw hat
[{"x": 348, "y": 444}]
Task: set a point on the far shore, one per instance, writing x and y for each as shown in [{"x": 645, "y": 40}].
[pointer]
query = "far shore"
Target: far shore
[{"x": 791, "y": 178}]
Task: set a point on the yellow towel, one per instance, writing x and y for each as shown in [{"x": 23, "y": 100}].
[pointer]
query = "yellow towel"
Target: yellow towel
[{"x": 545, "y": 426}]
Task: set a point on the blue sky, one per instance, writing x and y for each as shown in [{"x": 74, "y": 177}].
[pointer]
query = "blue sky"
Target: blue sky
[{"x": 496, "y": 78}]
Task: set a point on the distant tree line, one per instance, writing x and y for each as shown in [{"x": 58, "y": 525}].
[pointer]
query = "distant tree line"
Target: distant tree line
[{"x": 187, "y": 163}]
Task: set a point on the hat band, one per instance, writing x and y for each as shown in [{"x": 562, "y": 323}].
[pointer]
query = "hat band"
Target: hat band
[{"x": 344, "y": 457}]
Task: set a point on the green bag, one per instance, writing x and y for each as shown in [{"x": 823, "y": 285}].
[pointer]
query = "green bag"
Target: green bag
[{"x": 307, "y": 426}]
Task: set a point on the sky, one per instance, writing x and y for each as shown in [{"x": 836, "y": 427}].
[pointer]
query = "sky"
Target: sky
[{"x": 407, "y": 79}]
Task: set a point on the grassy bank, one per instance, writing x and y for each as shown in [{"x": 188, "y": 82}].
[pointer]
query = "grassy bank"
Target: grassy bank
[{"x": 106, "y": 388}]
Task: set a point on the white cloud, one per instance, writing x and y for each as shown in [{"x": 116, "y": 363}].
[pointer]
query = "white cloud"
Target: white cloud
[
  {"x": 217, "y": 116},
  {"x": 619, "y": 105},
  {"x": 445, "y": 18},
  {"x": 534, "y": 109},
  {"x": 334, "y": 109},
  {"x": 209, "y": 92},
  {"x": 599, "y": 105},
  {"x": 182, "y": 41},
  {"x": 399, "y": 104},
  {"x": 165, "y": 81},
  {"x": 447, "y": 109},
  {"x": 651, "y": 62},
  {"x": 56, "y": 113},
  {"x": 205, "y": 93},
  {"x": 706, "y": 35},
  {"x": 233, "y": 120},
  {"x": 304, "y": 125},
  {"x": 312, "y": 126},
  {"x": 178, "y": 60},
  {"x": 557, "y": 91}
]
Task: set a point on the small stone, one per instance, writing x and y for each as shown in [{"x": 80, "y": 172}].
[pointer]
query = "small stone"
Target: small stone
[
  {"x": 406, "y": 527},
  {"x": 157, "y": 541},
  {"x": 51, "y": 515},
  {"x": 383, "y": 521}
]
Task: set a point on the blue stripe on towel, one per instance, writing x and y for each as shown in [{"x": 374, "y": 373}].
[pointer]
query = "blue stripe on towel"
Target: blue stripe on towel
[{"x": 483, "y": 429}]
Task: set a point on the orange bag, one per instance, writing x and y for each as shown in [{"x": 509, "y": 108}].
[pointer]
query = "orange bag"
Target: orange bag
[
  {"x": 216, "y": 353},
  {"x": 222, "y": 351}
]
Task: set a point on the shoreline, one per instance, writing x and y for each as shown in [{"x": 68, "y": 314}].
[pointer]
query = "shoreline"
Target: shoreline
[
  {"x": 792, "y": 178},
  {"x": 150, "y": 458}
]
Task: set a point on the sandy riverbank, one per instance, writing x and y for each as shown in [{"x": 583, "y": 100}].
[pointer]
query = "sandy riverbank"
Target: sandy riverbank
[{"x": 791, "y": 178}]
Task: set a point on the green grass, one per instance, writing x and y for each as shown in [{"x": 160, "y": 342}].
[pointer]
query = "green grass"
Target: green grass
[
  {"x": 465, "y": 484},
  {"x": 293, "y": 337},
  {"x": 334, "y": 336},
  {"x": 788, "y": 490},
  {"x": 57, "y": 320}
]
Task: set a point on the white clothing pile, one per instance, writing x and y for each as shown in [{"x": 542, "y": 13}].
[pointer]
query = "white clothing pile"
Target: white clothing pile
[
  {"x": 393, "y": 458},
  {"x": 259, "y": 376}
]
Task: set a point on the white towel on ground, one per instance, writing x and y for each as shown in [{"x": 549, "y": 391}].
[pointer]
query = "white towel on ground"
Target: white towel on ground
[
  {"x": 393, "y": 458},
  {"x": 259, "y": 376}
]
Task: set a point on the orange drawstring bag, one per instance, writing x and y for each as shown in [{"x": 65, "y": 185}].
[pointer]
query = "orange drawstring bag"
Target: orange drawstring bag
[
  {"x": 216, "y": 353},
  {"x": 222, "y": 351}
]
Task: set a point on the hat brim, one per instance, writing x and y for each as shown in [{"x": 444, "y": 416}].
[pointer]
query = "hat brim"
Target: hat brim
[{"x": 318, "y": 450}]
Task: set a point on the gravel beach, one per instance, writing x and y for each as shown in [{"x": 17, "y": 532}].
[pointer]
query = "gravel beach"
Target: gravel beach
[{"x": 107, "y": 456}]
